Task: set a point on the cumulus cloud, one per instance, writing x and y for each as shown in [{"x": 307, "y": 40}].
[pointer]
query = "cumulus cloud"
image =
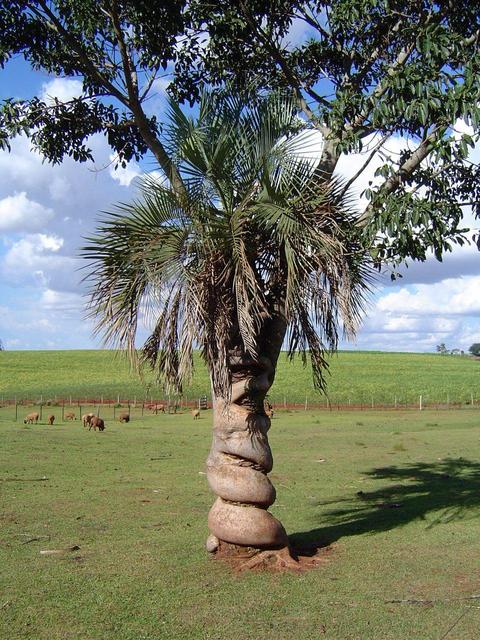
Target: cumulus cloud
[
  {"x": 18, "y": 213},
  {"x": 46, "y": 213},
  {"x": 417, "y": 318},
  {"x": 62, "y": 89},
  {"x": 451, "y": 297},
  {"x": 34, "y": 260}
]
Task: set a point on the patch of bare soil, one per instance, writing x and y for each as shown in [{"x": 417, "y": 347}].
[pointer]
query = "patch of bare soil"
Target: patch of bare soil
[{"x": 286, "y": 559}]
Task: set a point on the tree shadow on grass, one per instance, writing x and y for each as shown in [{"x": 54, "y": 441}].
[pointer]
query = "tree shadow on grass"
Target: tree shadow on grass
[{"x": 445, "y": 491}]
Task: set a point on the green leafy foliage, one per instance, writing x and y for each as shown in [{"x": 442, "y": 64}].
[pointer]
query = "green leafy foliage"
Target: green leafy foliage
[{"x": 361, "y": 68}]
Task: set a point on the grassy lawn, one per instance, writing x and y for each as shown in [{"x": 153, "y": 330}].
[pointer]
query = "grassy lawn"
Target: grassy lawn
[
  {"x": 396, "y": 494},
  {"x": 356, "y": 377}
]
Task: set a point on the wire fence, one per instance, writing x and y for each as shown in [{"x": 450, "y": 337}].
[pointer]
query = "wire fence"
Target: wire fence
[{"x": 112, "y": 406}]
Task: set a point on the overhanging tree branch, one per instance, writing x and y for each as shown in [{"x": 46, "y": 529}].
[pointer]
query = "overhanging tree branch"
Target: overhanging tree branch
[
  {"x": 131, "y": 100},
  {"x": 406, "y": 169}
]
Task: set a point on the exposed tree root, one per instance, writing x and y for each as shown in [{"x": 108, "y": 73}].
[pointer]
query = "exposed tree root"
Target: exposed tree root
[{"x": 286, "y": 559}]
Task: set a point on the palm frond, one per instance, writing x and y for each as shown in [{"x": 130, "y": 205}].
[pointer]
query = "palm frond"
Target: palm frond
[{"x": 256, "y": 236}]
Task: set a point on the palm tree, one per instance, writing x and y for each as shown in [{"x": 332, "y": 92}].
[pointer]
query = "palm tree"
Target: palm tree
[{"x": 252, "y": 254}]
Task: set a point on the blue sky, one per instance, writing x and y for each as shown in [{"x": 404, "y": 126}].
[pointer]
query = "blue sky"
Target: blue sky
[{"x": 45, "y": 211}]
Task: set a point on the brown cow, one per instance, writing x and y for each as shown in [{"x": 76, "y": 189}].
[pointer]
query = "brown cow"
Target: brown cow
[
  {"x": 70, "y": 416},
  {"x": 96, "y": 422},
  {"x": 51, "y": 419},
  {"x": 31, "y": 418},
  {"x": 195, "y": 413},
  {"x": 87, "y": 418},
  {"x": 157, "y": 407},
  {"x": 124, "y": 417}
]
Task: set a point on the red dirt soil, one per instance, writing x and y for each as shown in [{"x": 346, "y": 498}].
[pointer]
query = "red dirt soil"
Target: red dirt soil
[{"x": 287, "y": 559}]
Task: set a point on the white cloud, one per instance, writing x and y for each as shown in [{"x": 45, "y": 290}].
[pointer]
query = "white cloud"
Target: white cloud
[
  {"x": 451, "y": 297},
  {"x": 64, "y": 89},
  {"x": 417, "y": 318},
  {"x": 62, "y": 301},
  {"x": 34, "y": 261},
  {"x": 460, "y": 127},
  {"x": 123, "y": 175},
  {"x": 38, "y": 265},
  {"x": 160, "y": 85},
  {"x": 49, "y": 243},
  {"x": 18, "y": 213}
]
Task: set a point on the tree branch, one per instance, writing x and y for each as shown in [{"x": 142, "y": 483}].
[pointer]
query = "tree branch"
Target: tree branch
[
  {"x": 395, "y": 180},
  {"x": 87, "y": 64},
  {"x": 378, "y": 146},
  {"x": 129, "y": 71},
  {"x": 289, "y": 75},
  {"x": 131, "y": 101}
]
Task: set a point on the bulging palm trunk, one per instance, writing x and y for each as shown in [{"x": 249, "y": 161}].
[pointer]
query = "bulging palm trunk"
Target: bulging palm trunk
[{"x": 240, "y": 459}]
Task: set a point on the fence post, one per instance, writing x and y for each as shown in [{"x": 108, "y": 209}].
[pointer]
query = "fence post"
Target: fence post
[
  {"x": 306, "y": 403},
  {"x": 284, "y": 402},
  {"x": 114, "y": 411},
  {"x": 420, "y": 403},
  {"x": 63, "y": 411},
  {"x": 16, "y": 410},
  {"x": 143, "y": 407},
  {"x": 471, "y": 397},
  {"x": 372, "y": 402}
]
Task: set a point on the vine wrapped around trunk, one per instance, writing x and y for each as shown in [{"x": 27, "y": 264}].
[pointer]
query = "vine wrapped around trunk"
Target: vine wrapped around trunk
[{"x": 240, "y": 459}]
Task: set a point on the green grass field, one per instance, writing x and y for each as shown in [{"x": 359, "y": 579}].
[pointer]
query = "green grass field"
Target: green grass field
[
  {"x": 355, "y": 377},
  {"x": 395, "y": 494}
]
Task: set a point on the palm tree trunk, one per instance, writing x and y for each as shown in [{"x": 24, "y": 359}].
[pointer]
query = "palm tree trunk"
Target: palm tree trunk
[{"x": 240, "y": 459}]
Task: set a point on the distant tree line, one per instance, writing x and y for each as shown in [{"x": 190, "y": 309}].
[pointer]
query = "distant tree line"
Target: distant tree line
[{"x": 474, "y": 350}]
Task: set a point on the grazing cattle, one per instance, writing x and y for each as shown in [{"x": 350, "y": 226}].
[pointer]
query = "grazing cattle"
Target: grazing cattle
[
  {"x": 70, "y": 416},
  {"x": 87, "y": 418},
  {"x": 196, "y": 414},
  {"x": 124, "y": 417},
  {"x": 157, "y": 407},
  {"x": 96, "y": 423},
  {"x": 31, "y": 418},
  {"x": 51, "y": 419}
]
